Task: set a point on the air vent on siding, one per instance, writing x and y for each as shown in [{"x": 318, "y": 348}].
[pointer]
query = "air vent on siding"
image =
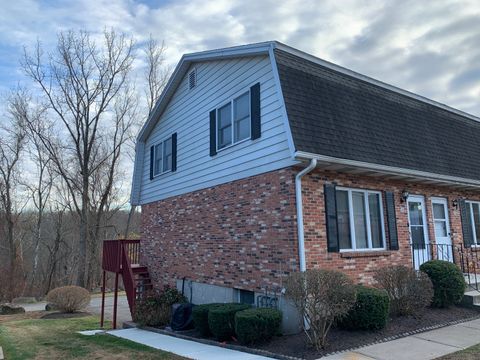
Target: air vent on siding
[{"x": 192, "y": 79}]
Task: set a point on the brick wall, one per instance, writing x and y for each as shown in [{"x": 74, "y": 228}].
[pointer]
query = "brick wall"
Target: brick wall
[
  {"x": 360, "y": 265},
  {"x": 241, "y": 234}
]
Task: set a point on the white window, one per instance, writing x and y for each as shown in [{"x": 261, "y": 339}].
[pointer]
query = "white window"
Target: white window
[
  {"x": 233, "y": 121},
  {"x": 360, "y": 219},
  {"x": 162, "y": 157},
  {"x": 473, "y": 210}
]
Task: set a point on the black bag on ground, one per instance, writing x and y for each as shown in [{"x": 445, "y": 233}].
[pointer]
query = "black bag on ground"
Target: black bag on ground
[{"x": 182, "y": 318}]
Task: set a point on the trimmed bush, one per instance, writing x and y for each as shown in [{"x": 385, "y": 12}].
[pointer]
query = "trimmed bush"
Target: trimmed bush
[
  {"x": 156, "y": 308},
  {"x": 410, "y": 291},
  {"x": 370, "y": 311},
  {"x": 321, "y": 297},
  {"x": 448, "y": 282},
  {"x": 221, "y": 319},
  {"x": 200, "y": 318},
  {"x": 69, "y": 298},
  {"x": 257, "y": 325}
]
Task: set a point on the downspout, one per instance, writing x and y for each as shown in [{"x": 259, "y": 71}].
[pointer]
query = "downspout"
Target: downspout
[{"x": 298, "y": 196}]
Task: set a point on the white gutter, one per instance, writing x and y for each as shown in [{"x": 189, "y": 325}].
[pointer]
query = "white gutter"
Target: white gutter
[{"x": 298, "y": 196}]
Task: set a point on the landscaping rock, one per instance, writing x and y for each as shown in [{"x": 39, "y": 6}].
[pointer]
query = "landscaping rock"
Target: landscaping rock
[
  {"x": 8, "y": 309},
  {"x": 50, "y": 307}
]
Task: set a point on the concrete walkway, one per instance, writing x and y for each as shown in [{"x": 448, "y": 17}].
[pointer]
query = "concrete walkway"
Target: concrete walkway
[
  {"x": 95, "y": 307},
  {"x": 423, "y": 346},
  {"x": 185, "y": 348}
]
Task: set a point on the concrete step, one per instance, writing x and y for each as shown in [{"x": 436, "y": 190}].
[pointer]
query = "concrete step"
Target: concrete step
[{"x": 471, "y": 298}]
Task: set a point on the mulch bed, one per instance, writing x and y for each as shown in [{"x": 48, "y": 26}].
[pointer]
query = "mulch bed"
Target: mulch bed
[
  {"x": 339, "y": 340},
  {"x": 62, "y": 315}
]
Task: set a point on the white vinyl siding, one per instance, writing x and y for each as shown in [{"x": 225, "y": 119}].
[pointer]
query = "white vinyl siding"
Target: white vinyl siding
[
  {"x": 360, "y": 219},
  {"x": 187, "y": 113}
]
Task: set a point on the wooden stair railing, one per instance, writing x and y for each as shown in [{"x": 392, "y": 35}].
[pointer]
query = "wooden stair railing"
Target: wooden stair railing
[{"x": 122, "y": 257}]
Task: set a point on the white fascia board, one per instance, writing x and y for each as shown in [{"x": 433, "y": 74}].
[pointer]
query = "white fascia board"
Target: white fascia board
[
  {"x": 370, "y": 80},
  {"x": 390, "y": 170}
]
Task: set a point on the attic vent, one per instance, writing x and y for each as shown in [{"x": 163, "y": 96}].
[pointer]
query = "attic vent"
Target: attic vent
[{"x": 192, "y": 79}]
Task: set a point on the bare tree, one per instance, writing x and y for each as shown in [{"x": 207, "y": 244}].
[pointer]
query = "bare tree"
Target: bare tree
[
  {"x": 91, "y": 108},
  {"x": 156, "y": 75},
  {"x": 12, "y": 141}
]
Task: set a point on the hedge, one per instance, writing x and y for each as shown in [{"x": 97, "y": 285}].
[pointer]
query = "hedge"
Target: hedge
[
  {"x": 256, "y": 325},
  {"x": 370, "y": 311},
  {"x": 200, "y": 318},
  {"x": 221, "y": 319},
  {"x": 448, "y": 282}
]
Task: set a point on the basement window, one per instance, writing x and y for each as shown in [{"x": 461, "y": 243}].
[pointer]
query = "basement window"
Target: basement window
[{"x": 246, "y": 297}]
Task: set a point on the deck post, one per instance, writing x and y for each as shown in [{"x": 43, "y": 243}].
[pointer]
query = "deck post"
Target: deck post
[
  {"x": 102, "y": 317},
  {"x": 115, "y": 300}
]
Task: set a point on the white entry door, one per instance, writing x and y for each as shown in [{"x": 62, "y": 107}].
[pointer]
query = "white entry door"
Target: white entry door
[
  {"x": 417, "y": 222},
  {"x": 442, "y": 229}
]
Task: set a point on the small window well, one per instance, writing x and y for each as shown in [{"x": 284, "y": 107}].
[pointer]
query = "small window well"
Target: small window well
[{"x": 192, "y": 79}]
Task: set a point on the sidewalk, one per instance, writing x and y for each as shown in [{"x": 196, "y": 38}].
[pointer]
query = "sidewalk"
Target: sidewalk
[
  {"x": 186, "y": 348},
  {"x": 423, "y": 346}
]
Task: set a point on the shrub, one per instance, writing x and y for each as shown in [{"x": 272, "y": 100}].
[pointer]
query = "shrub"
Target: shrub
[
  {"x": 448, "y": 282},
  {"x": 156, "y": 308},
  {"x": 11, "y": 309},
  {"x": 256, "y": 325},
  {"x": 200, "y": 318},
  {"x": 321, "y": 297},
  {"x": 370, "y": 311},
  {"x": 69, "y": 298},
  {"x": 409, "y": 291},
  {"x": 221, "y": 319}
]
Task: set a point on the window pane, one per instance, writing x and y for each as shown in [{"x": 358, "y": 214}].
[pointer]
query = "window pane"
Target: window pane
[
  {"x": 224, "y": 126},
  {"x": 415, "y": 213},
  {"x": 343, "y": 220},
  {"x": 167, "y": 154},
  {"x": 375, "y": 220},
  {"x": 476, "y": 219},
  {"x": 438, "y": 211},
  {"x": 157, "y": 166},
  {"x": 418, "y": 236},
  {"x": 440, "y": 228},
  {"x": 241, "y": 107},
  {"x": 242, "y": 129},
  {"x": 359, "y": 220}
]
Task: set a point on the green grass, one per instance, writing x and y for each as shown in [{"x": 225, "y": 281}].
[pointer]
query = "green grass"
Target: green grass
[
  {"x": 471, "y": 353},
  {"x": 58, "y": 339}
]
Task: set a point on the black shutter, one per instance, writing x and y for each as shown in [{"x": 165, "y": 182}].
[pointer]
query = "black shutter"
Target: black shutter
[
  {"x": 391, "y": 220},
  {"x": 331, "y": 217},
  {"x": 213, "y": 133},
  {"x": 256, "y": 125},
  {"x": 466, "y": 223},
  {"x": 174, "y": 152},
  {"x": 152, "y": 151}
]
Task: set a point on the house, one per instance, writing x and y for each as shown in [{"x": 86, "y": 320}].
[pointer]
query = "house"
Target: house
[{"x": 261, "y": 160}]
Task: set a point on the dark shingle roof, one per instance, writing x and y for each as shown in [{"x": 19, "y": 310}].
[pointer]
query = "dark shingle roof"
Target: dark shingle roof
[{"x": 335, "y": 114}]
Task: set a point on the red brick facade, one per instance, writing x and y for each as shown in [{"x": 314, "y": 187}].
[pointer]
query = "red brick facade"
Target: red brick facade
[{"x": 243, "y": 234}]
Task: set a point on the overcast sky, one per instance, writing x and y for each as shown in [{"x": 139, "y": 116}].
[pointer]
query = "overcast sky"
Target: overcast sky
[{"x": 429, "y": 47}]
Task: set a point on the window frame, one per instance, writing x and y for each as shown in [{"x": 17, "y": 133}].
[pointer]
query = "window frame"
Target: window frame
[
  {"x": 366, "y": 204},
  {"x": 232, "y": 120},
  {"x": 161, "y": 144},
  {"x": 472, "y": 221}
]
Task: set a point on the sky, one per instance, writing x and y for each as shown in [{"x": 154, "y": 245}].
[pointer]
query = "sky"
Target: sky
[{"x": 428, "y": 47}]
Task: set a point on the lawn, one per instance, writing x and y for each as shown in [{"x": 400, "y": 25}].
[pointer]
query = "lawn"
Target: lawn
[
  {"x": 30, "y": 337},
  {"x": 471, "y": 353}
]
